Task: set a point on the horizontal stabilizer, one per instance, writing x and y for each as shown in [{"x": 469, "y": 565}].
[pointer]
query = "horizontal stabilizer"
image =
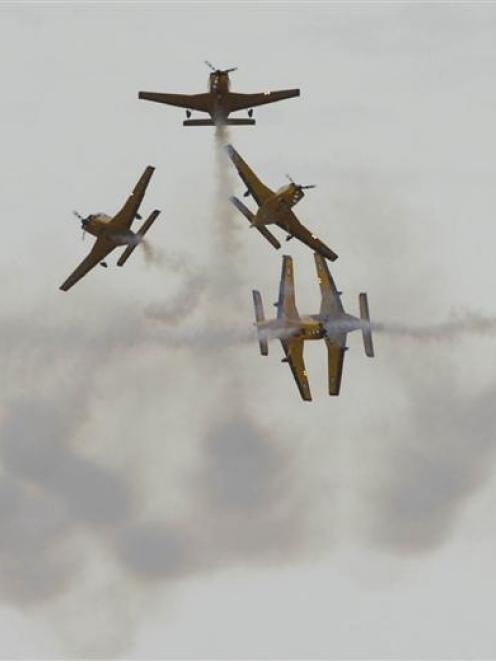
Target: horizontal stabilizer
[
  {"x": 240, "y": 122},
  {"x": 227, "y": 122},
  {"x": 366, "y": 327},
  {"x": 251, "y": 218},
  {"x": 139, "y": 234},
  {"x": 198, "y": 122},
  {"x": 260, "y": 317}
]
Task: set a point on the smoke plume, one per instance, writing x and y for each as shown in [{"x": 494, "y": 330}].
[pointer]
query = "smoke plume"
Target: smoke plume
[{"x": 469, "y": 323}]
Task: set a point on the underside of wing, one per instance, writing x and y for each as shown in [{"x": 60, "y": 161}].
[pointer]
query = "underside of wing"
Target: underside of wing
[
  {"x": 243, "y": 101},
  {"x": 250, "y": 217},
  {"x": 293, "y": 348},
  {"x": 124, "y": 218},
  {"x": 259, "y": 191},
  {"x": 286, "y": 303},
  {"x": 296, "y": 229},
  {"x": 201, "y": 102},
  {"x": 335, "y": 356},
  {"x": 331, "y": 298},
  {"x": 99, "y": 251}
]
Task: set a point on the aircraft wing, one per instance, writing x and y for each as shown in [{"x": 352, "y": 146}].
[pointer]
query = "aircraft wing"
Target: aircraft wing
[
  {"x": 242, "y": 101},
  {"x": 293, "y": 348},
  {"x": 202, "y": 102},
  {"x": 259, "y": 191},
  {"x": 335, "y": 357},
  {"x": 295, "y": 228},
  {"x": 100, "y": 250},
  {"x": 124, "y": 218},
  {"x": 331, "y": 298},
  {"x": 286, "y": 304},
  {"x": 250, "y": 217}
]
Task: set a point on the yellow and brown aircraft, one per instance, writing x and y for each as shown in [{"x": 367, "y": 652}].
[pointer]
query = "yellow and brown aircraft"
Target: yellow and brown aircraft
[
  {"x": 332, "y": 324},
  {"x": 219, "y": 102},
  {"x": 275, "y": 208},
  {"x": 113, "y": 232}
]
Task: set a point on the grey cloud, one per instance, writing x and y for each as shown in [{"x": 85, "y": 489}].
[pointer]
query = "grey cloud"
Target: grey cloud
[
  {"x": 242, "y": 471},
  {"x": 34, "y": 564},
  {"x": 247, "y": 483},
  {"x": 36, "y": 448},
  {"x": 154, "y": 551},
  {"x": 439, "y": 455}
]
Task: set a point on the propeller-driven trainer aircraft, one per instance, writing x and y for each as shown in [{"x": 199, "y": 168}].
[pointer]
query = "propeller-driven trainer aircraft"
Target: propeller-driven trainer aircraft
[
  {"x": 114, "y": 232},
  {"x": 331, "y": 324},
  {"x": 275, "y": 208},
  {"x": 218, "y": 102}
]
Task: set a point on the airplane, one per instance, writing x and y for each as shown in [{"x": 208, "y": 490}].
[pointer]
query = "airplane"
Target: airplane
[
  {"x": 331, "y": 324},
  {"x": 275, "y": 208},
  {"x": 115, "y": 231},
  {"x": 219, "y": 102}
]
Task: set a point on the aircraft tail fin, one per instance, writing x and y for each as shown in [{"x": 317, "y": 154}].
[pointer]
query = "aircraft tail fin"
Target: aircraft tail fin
[
  {"x": 139, "y": 234},
  {"x": 366, "y": 327},
  {"x": 260, "y": 318},
  {"x": 251, "y": 218}
]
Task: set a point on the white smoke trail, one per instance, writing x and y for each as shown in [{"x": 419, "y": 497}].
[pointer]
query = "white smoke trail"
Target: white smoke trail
[
  {"x": 228, "y": 228},
  {"x": 193, "y": 285},
  {"x": 167, "y": 260},
  {"x": 469, "y": 323}
]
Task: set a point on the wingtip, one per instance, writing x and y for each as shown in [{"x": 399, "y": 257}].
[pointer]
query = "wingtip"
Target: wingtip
[{"x": 230, "y": 150}]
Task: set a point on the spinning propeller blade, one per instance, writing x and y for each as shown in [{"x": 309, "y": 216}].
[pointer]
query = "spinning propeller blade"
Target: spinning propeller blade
[
  {"x": 299, "y": 185},
  {"x": 211, "y": 66},
  {"x": 83, "y": 222}
]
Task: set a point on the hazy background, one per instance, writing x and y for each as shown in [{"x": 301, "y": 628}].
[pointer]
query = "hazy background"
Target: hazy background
[{"x": 163, "y": 489}]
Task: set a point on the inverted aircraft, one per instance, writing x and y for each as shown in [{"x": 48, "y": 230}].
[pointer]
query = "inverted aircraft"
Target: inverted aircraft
[
  {"x": 115, "y": 231},
  {"x": 219, "y": 102},
  {"x": 275, "y": 208},
  {"x": 331, "y": 324}
]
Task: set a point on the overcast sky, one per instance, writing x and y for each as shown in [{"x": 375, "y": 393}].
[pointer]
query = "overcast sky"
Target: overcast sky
[{"x": 164, "y": 492}]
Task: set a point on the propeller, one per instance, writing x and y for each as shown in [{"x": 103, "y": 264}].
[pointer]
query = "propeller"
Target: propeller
[
  {"x": 211, "y": 66},
  {"x": 299, "y": 185},
  {"x": 83, "y": 222}
]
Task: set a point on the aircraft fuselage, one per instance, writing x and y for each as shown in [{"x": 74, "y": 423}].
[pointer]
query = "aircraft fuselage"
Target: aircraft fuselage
[
  {"x": 98, "y": 225},
  {"x": 312, "y": 327},
  {"x": 276, "y": 208},
  {"x": 218, "y": 85}
]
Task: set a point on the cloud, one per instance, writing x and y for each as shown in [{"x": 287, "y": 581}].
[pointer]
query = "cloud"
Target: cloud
[{"x": 438, "y": 454}]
